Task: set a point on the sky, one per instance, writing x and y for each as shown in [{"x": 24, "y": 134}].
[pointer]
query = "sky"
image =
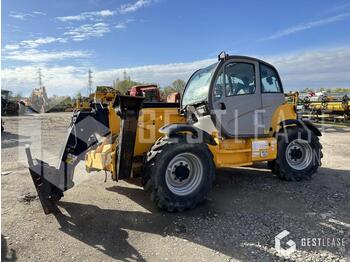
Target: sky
[{"x": 163, "y": 40}]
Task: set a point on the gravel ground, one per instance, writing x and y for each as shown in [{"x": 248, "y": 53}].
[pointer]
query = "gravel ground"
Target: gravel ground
[{"x": 101, "y": 221}]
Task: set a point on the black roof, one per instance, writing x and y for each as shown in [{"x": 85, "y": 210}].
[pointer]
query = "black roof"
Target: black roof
[{"x": 228, "y": 57}]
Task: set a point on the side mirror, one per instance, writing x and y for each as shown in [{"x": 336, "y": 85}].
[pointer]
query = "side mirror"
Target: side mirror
[{"x": 222, "y": 56}]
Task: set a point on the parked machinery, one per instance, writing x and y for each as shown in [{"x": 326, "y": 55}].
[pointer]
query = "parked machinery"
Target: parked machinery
[
  {"x": 39, "y": 100},
  {"x": 105, "y": 95},
  {"x": 328, "y": 106},
  {"x": 10, "y": 106},
  {"x": 149, "y": 92}
]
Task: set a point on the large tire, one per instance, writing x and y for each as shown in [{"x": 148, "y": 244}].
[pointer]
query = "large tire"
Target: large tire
[
  {"x": 172, "y": 160},
  {"x": 271, "y": 165},
  {"x": 298, "y": 154}
]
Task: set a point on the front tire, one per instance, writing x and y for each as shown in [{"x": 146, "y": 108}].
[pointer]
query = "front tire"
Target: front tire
[
  {"x": 298, "y": 156},
  {"x": 178, "y": 175}
]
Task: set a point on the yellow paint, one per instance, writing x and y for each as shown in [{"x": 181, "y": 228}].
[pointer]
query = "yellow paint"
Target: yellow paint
[
  {"x": 227, "y": 152},
  {"x": 292, "y": 98},
  {"x": 283, "y": 112},
  {"x": 100, "y": 158},
  {"x": 114, "y": 120},
  {"x": 243, "y": 152},
  {"x": 82, "y": 105},
  {"x": 329, "y": 106},
  {"x": 150, "y": 121},
  {"x": 104, "y": 97}
]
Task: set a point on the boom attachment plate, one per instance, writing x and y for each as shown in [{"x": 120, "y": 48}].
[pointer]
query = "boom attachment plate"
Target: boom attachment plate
[{"x": 128, "y": 110}]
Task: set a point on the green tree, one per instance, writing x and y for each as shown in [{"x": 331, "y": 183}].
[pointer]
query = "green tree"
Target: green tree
[
  {"x": 341, "y": 89},
  {"x": 167, "y": 91},
  {"x": 78, "y": 95},
  {"x": 307, "y": 90},
  {"x": 18, "y": 96},
  {"x": 67, "y": 100},
  {"x": 125, "y": 85},
  {"x": 178, "y": 85}
]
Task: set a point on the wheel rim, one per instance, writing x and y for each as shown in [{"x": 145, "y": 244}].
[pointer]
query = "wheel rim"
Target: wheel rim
[
  {"x": 299, "y": 154},
  {"x": 184, "y": 174}
]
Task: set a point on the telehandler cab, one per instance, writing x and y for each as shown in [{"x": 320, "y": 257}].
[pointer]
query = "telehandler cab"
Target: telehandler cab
[{"x": 232, "y": 113}]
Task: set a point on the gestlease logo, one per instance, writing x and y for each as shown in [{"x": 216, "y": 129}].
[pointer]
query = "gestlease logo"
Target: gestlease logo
[{"x": 291, "y": 244}]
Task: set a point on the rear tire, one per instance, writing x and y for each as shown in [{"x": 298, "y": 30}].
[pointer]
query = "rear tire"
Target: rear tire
[
  {"x": 298, "y": 156},
  {"x": 178, "y": 175}
]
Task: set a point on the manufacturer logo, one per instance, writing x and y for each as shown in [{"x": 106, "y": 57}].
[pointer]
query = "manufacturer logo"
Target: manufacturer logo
[{"x": 290, "y": 243}]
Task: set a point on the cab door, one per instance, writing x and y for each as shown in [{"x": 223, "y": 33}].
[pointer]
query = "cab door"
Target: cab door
[
  {"x": 272, "y": 95},
  {"x": 236, "y": 99}
]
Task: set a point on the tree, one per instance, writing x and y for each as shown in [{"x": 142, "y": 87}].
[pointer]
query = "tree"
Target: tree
[
  {"x": 78, "y": 95},
  {"x": 307, "y": 90},
  {"x": 124, "y": 85},
  {"x": 167, "y": 91},
  {"x": 18, "y": 96},
  {"x": 176, "y": 86},
  {"x": 179, "y": 85},
  {"x": 341, "y": 90},
  {"x": 67, "y": 100}
]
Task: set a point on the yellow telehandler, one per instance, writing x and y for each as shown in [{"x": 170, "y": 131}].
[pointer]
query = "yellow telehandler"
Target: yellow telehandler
[{"x": 232, "y": 113}]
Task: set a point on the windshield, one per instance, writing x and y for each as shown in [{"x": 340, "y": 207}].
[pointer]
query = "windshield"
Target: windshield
[{"x": 198, "y": 87}]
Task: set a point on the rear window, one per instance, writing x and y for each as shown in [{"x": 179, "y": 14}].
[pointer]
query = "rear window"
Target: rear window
[{"x": 270, "y": 82}]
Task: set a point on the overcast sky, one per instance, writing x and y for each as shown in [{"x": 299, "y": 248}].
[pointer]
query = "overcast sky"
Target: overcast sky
[{"x": 163, "y": 40}]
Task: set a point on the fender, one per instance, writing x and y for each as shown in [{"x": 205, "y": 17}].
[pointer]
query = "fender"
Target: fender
[
  {"x": 301, "y": 123},
  {"x": 173, "y": 129}
]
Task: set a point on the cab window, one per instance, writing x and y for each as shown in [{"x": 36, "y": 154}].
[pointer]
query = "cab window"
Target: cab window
[
  {"x": 269, "y": 80},
  {"x": 239, "y": 79},
  {"x": 198, "y": 87},
  {"x": 219, "y": 87}
]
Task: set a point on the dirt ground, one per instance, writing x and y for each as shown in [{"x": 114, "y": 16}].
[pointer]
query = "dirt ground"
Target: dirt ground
[{"x": 101, "y": 221}]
